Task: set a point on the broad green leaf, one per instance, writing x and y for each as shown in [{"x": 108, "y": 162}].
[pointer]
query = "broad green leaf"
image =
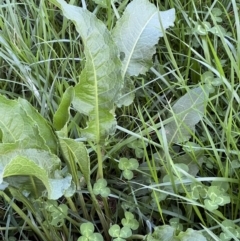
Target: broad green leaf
[
  {"x": 137, "y": 32},
  {"x": 186, "y": 113},
  {"x": 77, "y": 151},
  {"x": 101, "y": 79},
  {"x": 61, "y": 116},
  {"x": 42, "y": 125},
  {"x": 32, "y": 170},
  {"x": 20, "y": 122}
]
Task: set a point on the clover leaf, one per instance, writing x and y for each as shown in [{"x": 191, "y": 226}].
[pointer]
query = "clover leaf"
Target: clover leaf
[
  {"x": 57, "y": 214},
  {"x": 198, "y": 190},
  {"x": 127, "y": 165},
  {"x": 87, "y": 231},
  {"x": 217, "y": 12},
  {"x": 216, "y": 197},
  {"x": 230, "y": 230},
  {"x": 120, "y": 234},
  {"x": 137, "y": 145},
  {"x": 202, "y": 28},
  {"x": 175, "y": 222},
  {"x": 157, "y": 197},
  {"x": 130, "y": 221},
  {"x": 100, "y": 188}
]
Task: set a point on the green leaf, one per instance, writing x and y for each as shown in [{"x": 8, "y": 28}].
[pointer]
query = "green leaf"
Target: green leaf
[
  {"x": 210, "y": 205},
  {"x": 114, "y": 231},
  {"x": 157, "y": 197},
  {"x": 196, "y": 188},
  {"x": 230, "y": 230},
  {"x": 96, "y": 237},
  {"x": 17, "y": 166},
  {"x": 216, "y": 197},
  {"x": 128, "y": 174},
  {"x": 137, "y": 32},
  {"x": 119, "y": 239},
  {"x": 191, "y": 235},
  {"x": 137, "y": 145},
  {"x": 133, "y": 164},
  {"x": 175, "y": 222},
  {"x": 20, "y": 122},
  {"x": 125, "y": 232},
  {"x": 61, "y": 116},
  {"x": 163, "y": 233},
  {"x": 180, "y": 166},
  {"x": 100, "y": 187},
  {"x": 130, "y": 221},
  {"x": 128, "y": 164},
  {"x": 87, "y": 229},
  {"x": 187, "y": 112},
  {"x": 83, "y": 238},
  {"x": 57, "y": 213},
  {"x": 101, "y": 79},
  {"x": 78, "y": 152}
]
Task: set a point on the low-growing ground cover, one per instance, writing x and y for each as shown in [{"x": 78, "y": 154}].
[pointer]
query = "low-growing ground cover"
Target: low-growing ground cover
[{"x": 119, "y": 122}]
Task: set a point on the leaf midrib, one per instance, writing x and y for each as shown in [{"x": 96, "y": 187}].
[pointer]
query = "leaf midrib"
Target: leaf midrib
[{"x": 134, "y": 46}]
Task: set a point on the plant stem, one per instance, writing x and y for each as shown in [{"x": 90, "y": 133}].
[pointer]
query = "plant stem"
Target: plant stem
[{"x": 100, "y": 162}]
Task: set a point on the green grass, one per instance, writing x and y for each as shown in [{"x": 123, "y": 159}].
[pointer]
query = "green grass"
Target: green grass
[{"x": 41, "y": 55}]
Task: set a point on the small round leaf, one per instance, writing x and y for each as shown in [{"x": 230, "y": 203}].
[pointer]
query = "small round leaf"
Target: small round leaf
[
  {"x": 86, "y": 229},
  {"x": 125, "y": 232},
  {"x": 114, "y": 231}
]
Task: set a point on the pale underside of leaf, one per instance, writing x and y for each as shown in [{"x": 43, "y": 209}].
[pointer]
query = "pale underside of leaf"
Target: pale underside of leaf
[
  {"x": 17, "y": 166},
  {"x": 101, "y": 79},
  {"x": 137, "y": 33}
]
